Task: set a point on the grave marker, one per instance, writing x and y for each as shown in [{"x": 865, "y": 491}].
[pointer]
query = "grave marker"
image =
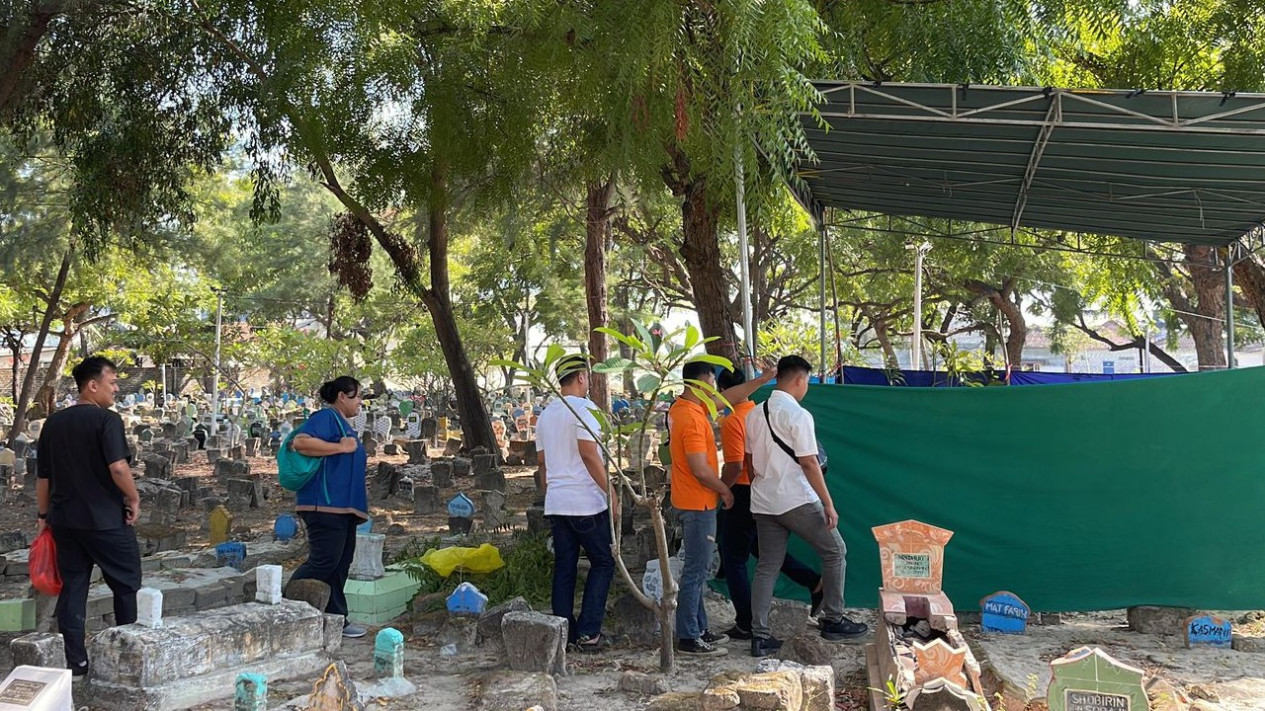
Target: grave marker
[
  {"x": 467, "y": 600},
  {"x": 1207, "y": 631},
  {"x": 251, "y": 693},
  {"x": 1091, "y": 680},
  {"x": 366, "y": 563},
  {"x": 36, "y": 689},
  {"x": 1005, "y": 613},
  {"x": 268, "y": 584},
  {"x": 149, "y": 607},
  {"x": 912, "y": 556},
  {"x": 388, "y": 654},
  {"x": 221, "y": 525},
  {"x": 285, "y": 528}
]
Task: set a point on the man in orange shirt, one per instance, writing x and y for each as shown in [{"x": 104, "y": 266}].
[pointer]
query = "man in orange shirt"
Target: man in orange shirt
[
  {"x": 696, "y": 488},
  {"x": 737, "y": 528}
]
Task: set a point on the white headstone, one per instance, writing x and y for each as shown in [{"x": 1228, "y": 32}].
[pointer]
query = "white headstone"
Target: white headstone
[
  {"x": 268, "y": 584},
  {"x": 36, "y": 689},
  {"x": 149, "y": 607}
]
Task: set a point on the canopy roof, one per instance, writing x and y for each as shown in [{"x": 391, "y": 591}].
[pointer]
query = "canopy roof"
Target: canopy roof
[{"x": 1154, "y": 165}]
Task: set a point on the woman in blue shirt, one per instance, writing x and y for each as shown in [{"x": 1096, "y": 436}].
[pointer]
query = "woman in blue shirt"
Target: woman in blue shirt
[{"x": 336, "y": 500}]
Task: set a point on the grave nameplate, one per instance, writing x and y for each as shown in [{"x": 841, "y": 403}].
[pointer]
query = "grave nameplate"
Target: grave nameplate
[
  {"x": 1089, "y": 679},
  {"x": 912, "y": 556},
  {"x": 1005, "y": 613},
  {"x": 1208, "y": 631},
  {"x": 36, "y": 689}
]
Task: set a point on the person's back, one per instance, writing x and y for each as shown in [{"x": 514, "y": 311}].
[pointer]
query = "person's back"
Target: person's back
[
  {"x": 76, "y": 448},
  {"x": 570, "y": 490}
]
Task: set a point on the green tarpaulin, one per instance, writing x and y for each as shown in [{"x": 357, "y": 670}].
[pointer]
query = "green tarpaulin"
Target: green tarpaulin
[{"x": 1074, "y": 497}]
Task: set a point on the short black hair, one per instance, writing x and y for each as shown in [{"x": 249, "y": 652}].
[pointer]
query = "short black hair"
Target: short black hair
[
  {"x": 731, "y": 378},
  {"x": 90, "y": 369},
  {"x": 569, "y": 368},
  {"x": 342, "y": 384},
  {"x": 695, "y": 370},
  {"x": 793, "y": 365}
]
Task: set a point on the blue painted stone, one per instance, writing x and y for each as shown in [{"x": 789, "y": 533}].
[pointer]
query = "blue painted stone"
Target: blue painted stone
[
  {"x": 1208, "y": 631},
  {"x": 461, "y": 506},
  {"x": 285, "y": 528},
  {"x": 251, "y": 693},
  {"x": 231, "y": 553},
  {"x": 1005, "y": 613},
  {"x": 388, "y": 653},
  {"x": 366, "y": 527},
  {"x": 467, "y": 600}
]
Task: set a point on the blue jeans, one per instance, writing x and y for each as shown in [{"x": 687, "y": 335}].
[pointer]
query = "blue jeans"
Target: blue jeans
[
  {"x": 593, "y": 534},
  {"x": 697, "y": 552},
  {"x": 738, "y": 542}
]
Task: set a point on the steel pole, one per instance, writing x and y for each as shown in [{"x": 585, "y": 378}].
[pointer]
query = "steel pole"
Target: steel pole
[
  {"x": 744, "y": 261},
  {"x": 915, "y": 341},
  {"x": 1229, "y": 311},
  {"x": 821, "y": 248},
  {"x": 215, "y": 375}
]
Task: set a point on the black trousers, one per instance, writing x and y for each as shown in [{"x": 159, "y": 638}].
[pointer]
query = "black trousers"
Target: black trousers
[
  {"x": 118, "y": 555},
  {"x": 331, "y": 544}
]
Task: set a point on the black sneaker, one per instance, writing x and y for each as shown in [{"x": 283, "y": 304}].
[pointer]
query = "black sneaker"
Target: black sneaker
[
  {"x": 737, "y": 632},
  {"x": 699, "y": 648},
  {"x": 711, "y": 638},
  {"x": 817, "y": 598},
  {"x": 590, "y": 645},
  {"x": 764, "y": 646},
  {"x": 80, "y": 669},
  {"x": 843, "y": 629}
]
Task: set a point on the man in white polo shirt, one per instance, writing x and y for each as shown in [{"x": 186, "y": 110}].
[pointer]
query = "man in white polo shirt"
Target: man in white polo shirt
[
  {"x": 789, "y": 495},
  {"x": 576, "y": 502}
]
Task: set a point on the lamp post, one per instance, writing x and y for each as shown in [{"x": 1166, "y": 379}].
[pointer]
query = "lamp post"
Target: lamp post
[{"x": 915, "y": 342}]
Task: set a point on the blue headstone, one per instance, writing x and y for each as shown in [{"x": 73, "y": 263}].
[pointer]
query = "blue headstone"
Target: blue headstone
[
  {"x": 285, "y": 528},
  {"x": 467, "y": 600},
  {"x": 366, "y": 527},
  {"x": 461, "y": 506},
  {"x": 388, "y": 653},
  {"x": 1208, "y": 631},
  {"x": 231, "y": 553},
  {"x": 1004, "y": 612}
]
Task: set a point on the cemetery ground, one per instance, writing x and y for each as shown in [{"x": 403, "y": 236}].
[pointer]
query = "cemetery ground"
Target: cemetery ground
[{"x": 1016, "y": 669}]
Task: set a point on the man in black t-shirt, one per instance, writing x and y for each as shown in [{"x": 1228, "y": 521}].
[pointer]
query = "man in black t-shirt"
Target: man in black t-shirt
[{"x": 86, "y": 494}]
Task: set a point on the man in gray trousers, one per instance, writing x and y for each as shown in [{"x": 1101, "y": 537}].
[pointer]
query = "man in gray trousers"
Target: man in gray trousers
[{"x": 789, "y": 495}]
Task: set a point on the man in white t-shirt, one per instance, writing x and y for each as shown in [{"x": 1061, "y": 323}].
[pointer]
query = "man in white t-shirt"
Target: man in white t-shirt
[
  {"x": 576, "y": 502},
  {"x": 789, "y": 495}
]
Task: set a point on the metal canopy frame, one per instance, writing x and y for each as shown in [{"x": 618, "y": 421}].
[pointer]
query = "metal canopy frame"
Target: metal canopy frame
[{"x": 1047, "y": 165}]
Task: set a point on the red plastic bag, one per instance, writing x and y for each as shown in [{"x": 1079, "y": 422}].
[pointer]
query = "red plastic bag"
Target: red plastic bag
[{"x": 43, "y": 564}]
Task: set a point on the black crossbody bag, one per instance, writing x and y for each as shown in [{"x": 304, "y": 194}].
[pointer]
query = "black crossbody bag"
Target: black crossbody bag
[{"x": 822, "y": 459}]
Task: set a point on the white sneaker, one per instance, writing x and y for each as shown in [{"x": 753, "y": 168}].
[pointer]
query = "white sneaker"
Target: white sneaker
[{"x": 354, "y": 631}]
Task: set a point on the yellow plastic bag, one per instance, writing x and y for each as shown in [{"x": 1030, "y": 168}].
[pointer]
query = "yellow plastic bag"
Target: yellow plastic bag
[{"x": 484, "y": 559}]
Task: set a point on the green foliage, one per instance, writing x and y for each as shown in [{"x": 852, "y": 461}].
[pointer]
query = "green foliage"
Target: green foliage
[{"x": 528, "y": 570}]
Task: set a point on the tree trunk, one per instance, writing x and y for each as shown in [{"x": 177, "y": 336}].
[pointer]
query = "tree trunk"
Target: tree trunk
[
  {"x": 1249, "y": 275},
  {"x": 1209, "y": 288},
  {"x": 666, "y": 608},
  {"x": 700, "y": 250},
  {"x": 1002, "y": 300},
  {"x": 884, "y": 339},
  {"x": 476, "y": 428},
  {"x": 17, "y": 48},
  {"x": 597, "y": 228},
  {"x": 47, "y": 394},
  {"x": 28, "y": 380}
]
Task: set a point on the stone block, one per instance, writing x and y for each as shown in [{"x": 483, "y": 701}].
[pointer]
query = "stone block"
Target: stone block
[
  {"x": 314, "y": 592},
  {"x": 426, "y": 500},
  {"x": 17, "y": 615},
  {"x": 366, "y": 564},
  {"x": 535, "y": 642},
  {"x": 1150, "y": 619},
  {"x": 268, "y": 584},
  {"x": 243, "y": 494},
  {"x": 149, "y": 607},
  {"x": 817, "y": 682},
  {"x": 12, "y": 541},
  {"x": 483, "y": 464},
  {"x": 333, "y": 632},
  {"x": 510, "y": 691},
  {"x": 806, "y": 648},
  {"x": 196, "y": 659},
  {"x": 631, "y": 619},
  {"x": 641, "y": 684},
  {"x": 788, "y": 618},
  {"x": 461, "y": 466},
  {"x": 489, "y": 626},
  {"x": 39, "y": 649}
]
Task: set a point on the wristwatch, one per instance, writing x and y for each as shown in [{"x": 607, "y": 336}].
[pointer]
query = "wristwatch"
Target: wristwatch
[{"x": 41, "y": 516}]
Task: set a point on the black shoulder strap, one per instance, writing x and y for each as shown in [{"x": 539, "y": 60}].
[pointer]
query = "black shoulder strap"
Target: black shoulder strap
[{"x": 785, "y": 447}]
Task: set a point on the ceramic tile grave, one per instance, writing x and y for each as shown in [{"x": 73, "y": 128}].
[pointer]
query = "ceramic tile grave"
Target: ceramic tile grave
[
  {"x": 1089, "y": 679},
  {"x": 911, "y": 554}
]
